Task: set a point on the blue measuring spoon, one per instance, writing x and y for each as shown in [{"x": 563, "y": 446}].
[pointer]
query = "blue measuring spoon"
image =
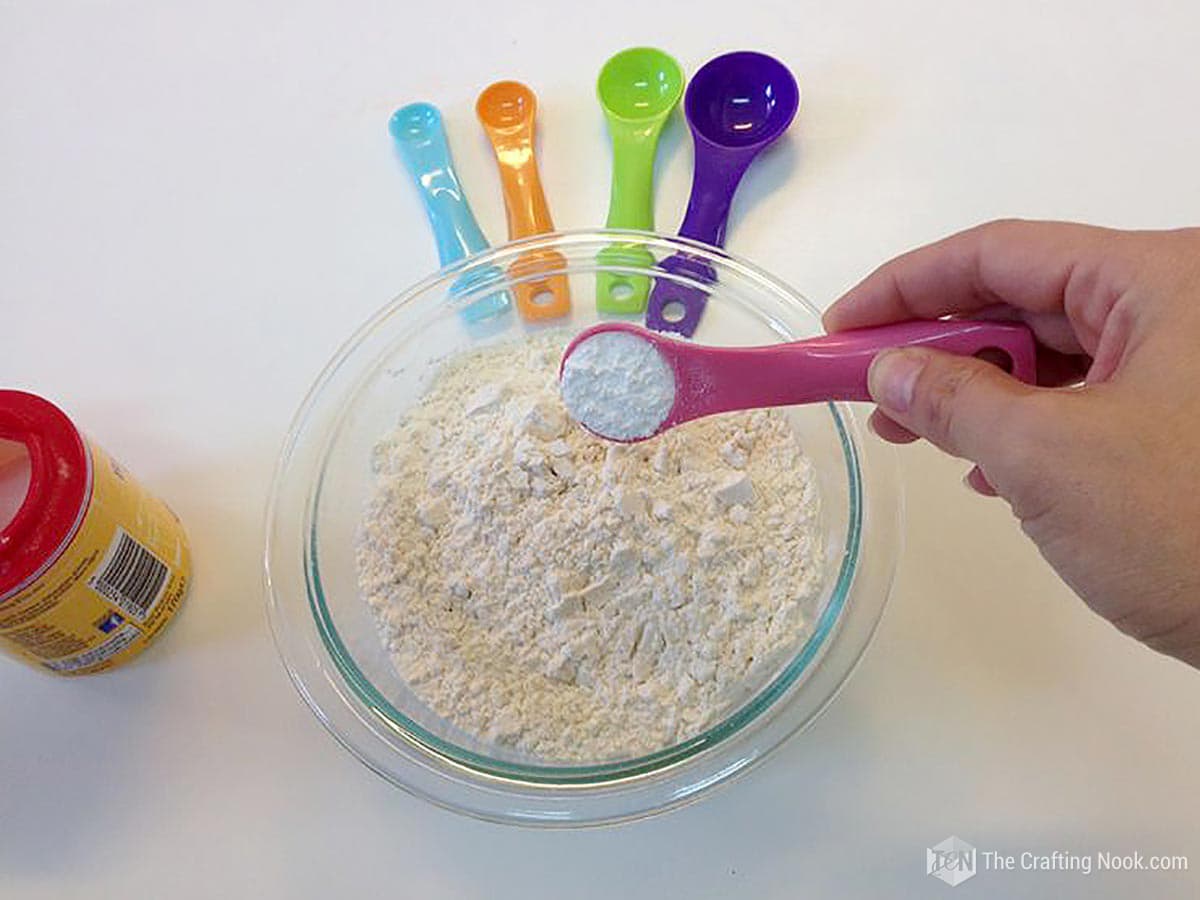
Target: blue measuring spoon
[{"x": 421, "y": 140}]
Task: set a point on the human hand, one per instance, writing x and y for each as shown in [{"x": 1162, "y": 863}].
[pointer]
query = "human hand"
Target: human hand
[{"x": 1104, "y": 476}]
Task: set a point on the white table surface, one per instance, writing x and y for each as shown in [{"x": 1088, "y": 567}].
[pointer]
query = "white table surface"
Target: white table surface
[{"x": 199, "y": 201}]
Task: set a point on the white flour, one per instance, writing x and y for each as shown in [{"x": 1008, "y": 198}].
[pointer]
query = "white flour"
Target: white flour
[
  {"x": 618, "y": 386},
  {"x": 577, "y": 600}
]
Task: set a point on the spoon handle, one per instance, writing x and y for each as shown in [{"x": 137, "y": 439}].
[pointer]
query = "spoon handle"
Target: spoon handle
[
  {"x": 715, "y": 179},
  {"x": 677, "y": 305},
  {"x": 631, "y": 200},
  {"x": 630, "y": 205},
  {"x": 524, "y": 199},
  {"x": 426, "y": 156},
  {"x": 832, "y": 367}
]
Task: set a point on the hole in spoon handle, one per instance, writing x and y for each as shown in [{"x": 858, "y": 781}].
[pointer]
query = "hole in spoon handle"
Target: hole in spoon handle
[
  {"x": 846, "y": 356},
  {"x": 670, "y": 293}
]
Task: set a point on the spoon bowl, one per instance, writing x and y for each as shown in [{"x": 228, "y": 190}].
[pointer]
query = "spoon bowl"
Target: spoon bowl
[
  {"x": 742, "y": 99},
  {"x": 415, "y": 122},
  {"x": 506, "y": 105},
  {"x": 640, "y": 84}
]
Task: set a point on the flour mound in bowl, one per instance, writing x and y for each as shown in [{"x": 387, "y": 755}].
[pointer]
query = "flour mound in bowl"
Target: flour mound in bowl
[{"x": 574, "y": 600}]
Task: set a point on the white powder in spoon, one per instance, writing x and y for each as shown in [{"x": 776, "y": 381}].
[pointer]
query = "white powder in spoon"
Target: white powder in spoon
[
  {"x": 618, "y": 386},
  {"x": 576, "y": 600}
]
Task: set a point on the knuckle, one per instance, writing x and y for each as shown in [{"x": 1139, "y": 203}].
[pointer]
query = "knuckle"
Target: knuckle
[
  {"x": 1001, "y": 223},
  {"x": 1028, "y": 425},
  {"x": 1021, "y": 439},
  {"x": 1173, "y": 631},
  {"x": 943, "y": 392},
  {"x": 1035, "y": 437},
  {"x": 1001, "y": 229}
]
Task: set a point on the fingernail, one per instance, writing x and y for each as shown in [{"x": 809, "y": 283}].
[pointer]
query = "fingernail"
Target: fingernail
[{"x": 892, "y": 378}]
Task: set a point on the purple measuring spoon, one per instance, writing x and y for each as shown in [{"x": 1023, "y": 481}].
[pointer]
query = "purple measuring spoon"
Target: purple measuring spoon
[
  {"x": 626, "y": 384},
  {"x": 736, "y": 105}
]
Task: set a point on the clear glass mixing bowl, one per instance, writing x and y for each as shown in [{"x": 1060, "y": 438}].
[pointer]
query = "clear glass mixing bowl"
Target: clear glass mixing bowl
[{"x": 327, "y": 635}]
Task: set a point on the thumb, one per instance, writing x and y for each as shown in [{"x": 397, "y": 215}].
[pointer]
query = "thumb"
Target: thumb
[{"x": 965, "y": 406}]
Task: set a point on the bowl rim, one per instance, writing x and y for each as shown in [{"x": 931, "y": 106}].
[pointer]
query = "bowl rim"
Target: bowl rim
[{"x": 503, "y": 774}]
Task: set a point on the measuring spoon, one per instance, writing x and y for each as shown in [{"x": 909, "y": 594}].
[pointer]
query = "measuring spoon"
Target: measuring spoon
[
  {"x": 626, "y": 384},
  {"x": 638, "y": 89},
  {"x": 736, "y": 106},
  {"x": 421, "y": 140},
  {"x": 506, "y": 110}
]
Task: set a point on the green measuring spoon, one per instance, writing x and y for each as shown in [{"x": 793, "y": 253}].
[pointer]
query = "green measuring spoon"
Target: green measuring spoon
[{"x": 638, "y": 89}]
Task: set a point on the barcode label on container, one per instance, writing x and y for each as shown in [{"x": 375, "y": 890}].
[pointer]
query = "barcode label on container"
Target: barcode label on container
[{"x": 130, "y": 577}]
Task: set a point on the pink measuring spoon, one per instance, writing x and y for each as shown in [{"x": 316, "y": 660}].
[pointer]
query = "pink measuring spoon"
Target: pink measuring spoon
[{"x": 625, "y": 383}]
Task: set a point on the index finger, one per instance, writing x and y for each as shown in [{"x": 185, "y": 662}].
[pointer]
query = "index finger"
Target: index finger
[{"x": 1031, "y": 266}]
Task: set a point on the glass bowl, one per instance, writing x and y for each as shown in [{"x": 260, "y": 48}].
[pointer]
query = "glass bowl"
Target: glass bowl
[{"x": 326, "y": 632}]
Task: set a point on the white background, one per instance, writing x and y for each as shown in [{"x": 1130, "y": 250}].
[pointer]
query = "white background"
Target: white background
[{"x": 199, "y": 201}]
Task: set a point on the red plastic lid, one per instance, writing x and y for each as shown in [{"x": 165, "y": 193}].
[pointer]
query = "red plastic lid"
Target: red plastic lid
[{"x": 59, "y": 485}]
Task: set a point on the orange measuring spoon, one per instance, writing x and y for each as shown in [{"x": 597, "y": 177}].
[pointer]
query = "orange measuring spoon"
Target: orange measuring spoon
[{"x": 506, "y": 110}]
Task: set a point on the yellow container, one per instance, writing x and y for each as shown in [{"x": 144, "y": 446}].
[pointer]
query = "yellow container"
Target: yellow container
[{"x": 91, "y": 565}]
